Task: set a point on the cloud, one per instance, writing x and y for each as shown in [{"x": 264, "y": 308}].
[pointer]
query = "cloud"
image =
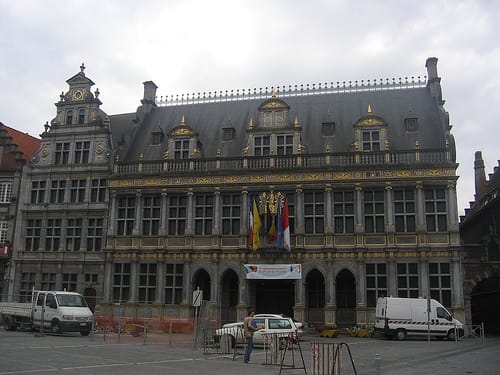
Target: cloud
[{"x": 194, "y": 46}]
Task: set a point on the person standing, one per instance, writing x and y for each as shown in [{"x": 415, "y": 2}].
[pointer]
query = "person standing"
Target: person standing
[{"x": 249, "y": 330}]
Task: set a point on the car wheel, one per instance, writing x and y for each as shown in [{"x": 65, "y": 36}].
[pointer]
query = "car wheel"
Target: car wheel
[
  {"x": 85, "y": 332},
  {"x": 400, "y": 334},
  {"x": 10, "y": 324},
  {"x": 451, "y": 335},
  {"x": 54, "y": 327}
]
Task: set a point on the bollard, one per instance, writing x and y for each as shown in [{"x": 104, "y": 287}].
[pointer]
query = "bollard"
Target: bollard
[
  {"x": 377, "y": 364},
  {"x": 170, "y": 334},
  {"x": 119, "y": 330}
]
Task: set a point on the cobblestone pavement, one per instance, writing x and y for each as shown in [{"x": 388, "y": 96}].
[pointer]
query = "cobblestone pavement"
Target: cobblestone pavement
[{"x": 27, "y": 353}]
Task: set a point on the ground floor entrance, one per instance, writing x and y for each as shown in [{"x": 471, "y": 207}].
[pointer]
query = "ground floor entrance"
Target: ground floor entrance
[
  {"x": 273, "y": 296},
  {"x": 485, "y": 304}
]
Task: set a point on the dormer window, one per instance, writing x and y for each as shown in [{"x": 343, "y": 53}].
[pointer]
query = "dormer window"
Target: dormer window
[
  {"x": 155, "y": 138},
  {"x": 81, "y": 116},
  {"x": 284, "y": 144},
  {"x": 328, "y": 129},
  {"x": 182, "y": 143},
  {"x": 411, "y": 124},
  {"x": 371, "y": 140},
  {"x": 69, "y": 117},
  {"x": 181, "y": 149},
  {"x": 370, "y": 133},
  {"x": 228, "y": 134},
  {"x": 262, "y": 145}
]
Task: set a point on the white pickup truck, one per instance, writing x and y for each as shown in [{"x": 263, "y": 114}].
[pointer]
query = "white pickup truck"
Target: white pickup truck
[{"x": 56, "y": 311}]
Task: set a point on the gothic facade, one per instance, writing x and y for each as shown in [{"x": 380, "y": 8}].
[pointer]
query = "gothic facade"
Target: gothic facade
[{"x": 138, "y": 210}]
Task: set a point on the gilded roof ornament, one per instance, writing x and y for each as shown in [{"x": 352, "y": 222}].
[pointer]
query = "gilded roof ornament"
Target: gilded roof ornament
[
  {"x": 370, "y": 119},
  {"x": 296, "y": 122}
]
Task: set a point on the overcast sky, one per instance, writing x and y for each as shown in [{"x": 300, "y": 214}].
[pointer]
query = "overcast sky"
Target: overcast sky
[{"x": 195, "y": 46}]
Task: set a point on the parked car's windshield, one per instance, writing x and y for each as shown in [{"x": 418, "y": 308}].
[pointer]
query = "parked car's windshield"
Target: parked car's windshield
[{"x": 71, "y": 300}]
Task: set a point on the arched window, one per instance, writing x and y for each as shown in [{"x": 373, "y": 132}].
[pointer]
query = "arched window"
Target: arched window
[
  {"x": 81, "y": 116},
  {"x": 69, "y": 117}
]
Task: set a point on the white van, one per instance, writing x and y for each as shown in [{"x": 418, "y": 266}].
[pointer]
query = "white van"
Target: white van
[{"x": 399, "y": 317}]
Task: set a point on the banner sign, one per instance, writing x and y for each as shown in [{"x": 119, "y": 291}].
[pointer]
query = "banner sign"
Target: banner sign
[{"x": 273, "y": 271}]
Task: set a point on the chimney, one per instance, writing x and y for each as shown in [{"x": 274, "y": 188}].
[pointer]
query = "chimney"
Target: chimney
[
  {"x": 149, "y": 92},
  {"x": 433, "y": 81},
  {"x": 431, "y": 65},
  {"x": 479, "y": 175},
  {"x": 148, "y": 102}
]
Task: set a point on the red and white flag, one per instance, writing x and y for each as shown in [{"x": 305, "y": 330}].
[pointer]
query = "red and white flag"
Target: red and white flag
[{"x": 285, "y": 225}]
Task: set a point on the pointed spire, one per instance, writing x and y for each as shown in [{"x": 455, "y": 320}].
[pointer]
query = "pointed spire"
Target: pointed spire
[
  {"x": 250, "y": 123},
  {"x": 296, "y": 122},
  {"x": 273, "y": 94},
  {"x": 369, "y": 109},
  {"x": 183, "y": 121}
]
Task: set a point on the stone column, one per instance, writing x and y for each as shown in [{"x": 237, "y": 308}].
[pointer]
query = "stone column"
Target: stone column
[
  {"x": 420, "y": 203},
  {"x": 299, "y": 211},
  {"x": 112, "y": 215},
  {"x": 108, "y": 277},
  {"x": 361, "y": 313},
  {"x": 88, "y": 189},
  {"x": 358, "y": 205},
  {"x": 457, "y": 290},
  {"x": 452, "y": 207},
  {"x": 424, "y": 278},
  {"x": 189, "y": 210},
  {"x": 392, "y": 278},
  {"x": 187, "y": 285},
  {"x": 328, "y": 210},
  {"x": 67, "y": 190},
  {"x": 299, "y": 307},
  {"x": 138, "y": 213},
  {"x": 330, "y": 317},
  {"x": 164, "y": 213},
  {"x": 217, "y": 215},
  {"x": 134, "y": 265},
  {"x": 389, "y": 214},
  {"x": 160, "y": 282},
  {"x": 244, "y": 214}
]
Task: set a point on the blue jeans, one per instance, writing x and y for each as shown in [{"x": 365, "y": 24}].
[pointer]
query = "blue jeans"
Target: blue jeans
[{"x": 246, "y": 357}]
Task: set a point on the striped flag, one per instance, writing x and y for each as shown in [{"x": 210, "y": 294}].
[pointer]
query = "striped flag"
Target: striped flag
[{"x": 285, "y": 225}]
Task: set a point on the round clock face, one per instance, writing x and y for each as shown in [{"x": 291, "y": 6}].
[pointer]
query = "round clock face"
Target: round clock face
[{"x": 78, "y": 95}]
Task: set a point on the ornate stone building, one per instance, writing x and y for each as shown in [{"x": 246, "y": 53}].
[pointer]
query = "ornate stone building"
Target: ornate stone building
[
  {"x": 480, "y": 234},
  {"x": 367, "y": 170}
]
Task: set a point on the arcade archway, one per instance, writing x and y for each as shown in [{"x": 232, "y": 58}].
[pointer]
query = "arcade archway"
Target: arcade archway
[
  {"x": 201, "y": 279},
  {"x": 230, "y": 286},
  {"x": 345, "y": 297},
  {"x": 315, "y": 297},
  {"x": 485, "y": 304}
]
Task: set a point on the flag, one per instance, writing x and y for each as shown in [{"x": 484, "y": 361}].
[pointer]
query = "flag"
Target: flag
[
  {"x": 279, "y": 245},
  {"x": 250, "y": 223},
  {"x": 285, "y": 225},
  {"x": 256, "y": 227},
  {"x": 273, "y": 232}
]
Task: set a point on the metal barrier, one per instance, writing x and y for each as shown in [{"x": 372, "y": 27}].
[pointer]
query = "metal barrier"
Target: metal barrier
[
  {"x": 326, "y": 358},
  {"x": 472, "y": 331},
  {"x": 227, "y": 340}
]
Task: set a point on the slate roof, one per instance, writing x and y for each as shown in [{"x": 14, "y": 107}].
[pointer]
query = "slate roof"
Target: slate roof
[{"x": 345, "y": 109}]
